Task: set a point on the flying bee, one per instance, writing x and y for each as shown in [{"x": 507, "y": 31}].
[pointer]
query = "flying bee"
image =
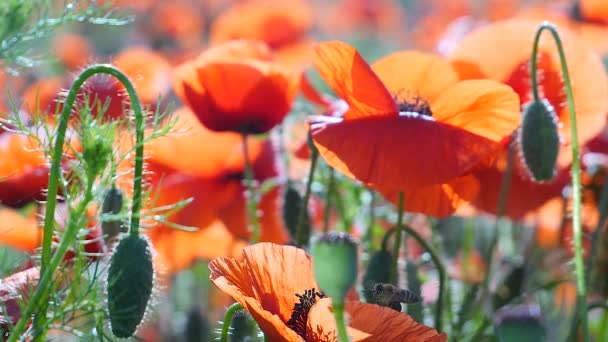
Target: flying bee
[{"x": 392, "y": 296}]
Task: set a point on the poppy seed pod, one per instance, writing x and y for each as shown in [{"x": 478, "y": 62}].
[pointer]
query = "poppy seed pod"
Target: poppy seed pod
[
  {"x": 334, "y": 258},
  {"x": 539, "y": 140},
  {"x": 129, "y": 285},
  {"x": 378, "y": 271}
]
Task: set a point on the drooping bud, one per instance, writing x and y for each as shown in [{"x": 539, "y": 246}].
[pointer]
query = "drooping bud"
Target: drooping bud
[
  {"x": 378, "y": 271},
  {"x": 111, "y": 206},
  {"x": 243, "y": 327},
  {"x": 334, "y": 257},
  {"x": 129, "y": 284},
  {"x": 292, "y": 204},
  {"x": 539, "y": 140}
]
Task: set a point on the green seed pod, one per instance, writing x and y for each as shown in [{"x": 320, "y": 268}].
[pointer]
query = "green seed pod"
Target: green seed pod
[
  {"x": 539, "y": 140},
  {"x": 334, "y": 257},
  {"x": 292, "y": 204},
  {"x": 129, "y": 284},
  {"x": 243, "y": 327},
  {"x": 112, "y": 205},
  {"x": 378, "y": 271}
]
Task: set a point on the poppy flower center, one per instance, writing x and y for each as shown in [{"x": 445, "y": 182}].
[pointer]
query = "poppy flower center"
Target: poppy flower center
[
  {"x": 413, "y": 103},
  {"x": 299, "y": 315}
]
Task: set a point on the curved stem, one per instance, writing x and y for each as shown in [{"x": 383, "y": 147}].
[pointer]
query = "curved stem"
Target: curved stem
[
  {"x": 300, "y": 232},
  {"x": 340, "y": 322},
  {"x": 228, "y": 319},
  {"x": 576, "y": 171},
  {"x": 48, "y": 264},
  {"x": 394, "y": 275},
  {"x": 252, "y": 197},
  {"x": 440, "y": 271}
]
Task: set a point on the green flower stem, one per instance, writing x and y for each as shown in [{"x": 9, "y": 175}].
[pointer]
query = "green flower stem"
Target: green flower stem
[
  {"x": 599, "y": 229},
  {"x": 49, "y": 265},
  {"x": 300, "y": 233},
  {"x": 330, "y": 190},
  {"x": 228, "y": 319},
  {"x": 503, "y": 196},
  {"x": 252, "y": 196},
  {"x": 440, "y": 271},
  {"x": 369, "y": 234},
  {"x": 394, "y": 275},
  {"x": 338, "y": 307},
  {"x": 576, "y": 172}
]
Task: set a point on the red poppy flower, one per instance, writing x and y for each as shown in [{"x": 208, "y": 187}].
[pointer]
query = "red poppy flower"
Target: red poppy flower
[
  {"x": 268, "y": 278},
  {"x": 214, "y": 180},
  {"x": 237, "y": 87},
  {"x": 73, "y": 50},
  {"x": 511, "y": 66},
  {"x": 24, "y": 171},
  {"x": 594, "y": 10},
  {"x": 411, "y": 126}
]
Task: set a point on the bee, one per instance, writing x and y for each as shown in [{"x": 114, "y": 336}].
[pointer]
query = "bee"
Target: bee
[{"x": 392, "y": 296}]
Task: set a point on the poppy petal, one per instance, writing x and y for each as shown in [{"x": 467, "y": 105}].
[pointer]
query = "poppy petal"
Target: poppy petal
[
  {"x": 375, "y": 151},
  {"x": 484, "y": 107},
  {"x": 416, "y": 73},
  {"x": 368, "y": 322},
  {"x": 440, "y": 200},
  {"x": 18, "y": 231},
  {"x": 264, "y": 284},
  {"x": 353, "y": 80}
]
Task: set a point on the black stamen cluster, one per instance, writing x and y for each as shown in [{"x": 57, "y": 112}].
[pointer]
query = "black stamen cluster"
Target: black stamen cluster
[{"x": 299, "y": 315}]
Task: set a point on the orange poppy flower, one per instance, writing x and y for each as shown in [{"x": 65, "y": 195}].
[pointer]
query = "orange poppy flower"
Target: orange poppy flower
[
  {"x": 270, "y": 279},
  {"x": 73, "y": 50},
  {"x": 512, "y": 67},
  {"x": 277, "y": 23},
  {"x": 451, "y": 127},
  {"x": 237, "y": 87},
  {"x": 594, "y": 10},
  {"x": 214, "y": 180},
  {"x": 151, "y": 79},
  {"x": 18, "y": 231}
]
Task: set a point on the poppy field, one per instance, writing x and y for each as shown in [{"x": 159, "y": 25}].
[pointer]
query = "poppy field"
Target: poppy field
[{"x": 303, "y": 170}]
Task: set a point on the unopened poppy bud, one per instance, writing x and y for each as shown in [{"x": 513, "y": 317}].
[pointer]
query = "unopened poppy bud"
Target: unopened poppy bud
[
  {"x": 243, "y": 327},
  {"x": 112, "y": 204},
  {"x": 334, "y": 257},
  {"x": 378, "y": 271},
  {"x": 520, "y": 323},
  {"x": 292, "y": 204},
  {"x": 96, "y": 148},
  {"x": 129, "y": 284},
  {"x": 539, "y": 140}
]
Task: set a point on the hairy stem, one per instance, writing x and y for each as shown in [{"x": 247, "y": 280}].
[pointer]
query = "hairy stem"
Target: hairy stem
[
  {"x": 252, "y": 196},
  {"x": 300, "y": 233}
]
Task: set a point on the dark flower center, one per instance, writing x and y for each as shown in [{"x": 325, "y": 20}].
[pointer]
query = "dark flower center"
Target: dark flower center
[
  {"x": 299, "y": 314},
  {"x": 413, "y": 103}
]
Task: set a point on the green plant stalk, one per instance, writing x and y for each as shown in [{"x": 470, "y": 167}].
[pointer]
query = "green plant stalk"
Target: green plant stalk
[
  {"x": 369, "y": 234},
  {"x": 338, "y": 307},
  {"x": 576, "y": 172},
  {"x": 228, "y": 319},
  {"x": 300, "y": 234},
  {"x": 503, "y": 196},
  {"x": 49, "y": 265},
  {"x": 440, "y": 271},
  {"x": 252, "y": 197},
  {"x": 330, "y": 189},
  {"x": 394, "y": 275}
]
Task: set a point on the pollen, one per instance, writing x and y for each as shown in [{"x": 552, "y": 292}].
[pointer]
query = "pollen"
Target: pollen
[{"x": 299, "y": 315}]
